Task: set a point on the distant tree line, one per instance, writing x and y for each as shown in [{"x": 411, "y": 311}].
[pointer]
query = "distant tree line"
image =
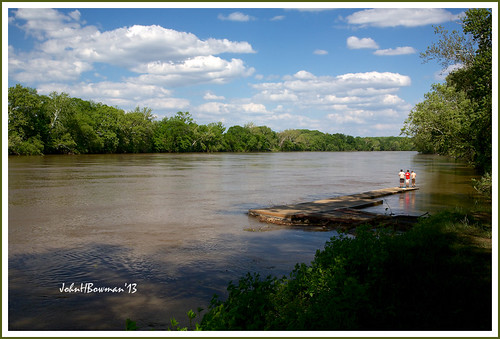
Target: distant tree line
[{"x": 59, "y": 124}]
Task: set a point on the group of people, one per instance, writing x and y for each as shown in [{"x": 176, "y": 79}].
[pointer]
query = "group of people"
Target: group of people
[{"x": 404, "y": 178}]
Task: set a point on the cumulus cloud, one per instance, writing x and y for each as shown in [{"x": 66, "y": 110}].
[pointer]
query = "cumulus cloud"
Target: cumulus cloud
[
  {"x": 126, "y": 95},
  {"x": 408, "y": 17},
  {"x": 351, "y": 99},
  {"x": 128, "y": 46},
  {"x": 357, "y": 43},
  {"x": 66, "y": 49},
  {"x": 41, "y": 68},
  {"x": 201, "y": 69},
  {"x": 236, "y": 16},
  {"x": 396, "y": 51},
  {"x": 220, "y": 108},
  {"x": 46, "y": 22},
  {"x": 211, "y": 96}
]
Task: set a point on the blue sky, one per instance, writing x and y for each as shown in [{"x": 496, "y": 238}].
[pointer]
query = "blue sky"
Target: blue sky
[{"x": 355, "y": 71}]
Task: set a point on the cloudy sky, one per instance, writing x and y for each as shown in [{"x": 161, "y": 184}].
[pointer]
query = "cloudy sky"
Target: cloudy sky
[{"x": 355, "y": 71}]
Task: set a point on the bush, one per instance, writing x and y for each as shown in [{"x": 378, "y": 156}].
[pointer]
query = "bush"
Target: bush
[
  {"x": 483, "y": 185},
  {"x": 428, "y": 278}
]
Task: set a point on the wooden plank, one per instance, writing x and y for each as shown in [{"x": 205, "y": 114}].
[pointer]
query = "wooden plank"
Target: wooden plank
[{"x": 340, "y": 208}]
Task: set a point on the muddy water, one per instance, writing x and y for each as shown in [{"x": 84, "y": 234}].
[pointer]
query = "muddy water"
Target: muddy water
[{"x": 163, "y": 233}]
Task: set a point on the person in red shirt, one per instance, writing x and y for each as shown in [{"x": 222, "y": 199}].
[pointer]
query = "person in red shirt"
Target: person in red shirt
[{"x": 407, "y": 176}]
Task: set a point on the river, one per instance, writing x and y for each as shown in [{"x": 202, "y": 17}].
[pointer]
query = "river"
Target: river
[{"x": 164, "y": 232}]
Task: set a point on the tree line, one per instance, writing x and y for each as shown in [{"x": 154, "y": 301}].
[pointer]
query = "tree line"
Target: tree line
[
  {"x": 455, "y": 117},
  {"x": 59, "y": 124}
]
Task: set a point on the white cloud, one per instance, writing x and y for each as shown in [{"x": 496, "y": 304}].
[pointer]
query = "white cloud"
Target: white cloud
[
  {"x": 374, "y": 80},
  {"x": 214, "y": 108},
  {"x": 408, "y": 17},
  {"x": 162, "y": 56},
  {"x": 357, "y": 43},
  {"x": 126, "y": 95},
  {"x": 304, "y": 75},
  {"x": 197, "y": 70},
  {"x": 45, "y": 22},
  {"x": 352, "y": 99},
  {"x": 236, "y": 16},
  {"x": 285, "y": 121},
  {"x": 107, "y": 89},
  {"x": 220, "y": 108},
  {"x": 348, "y": 117},
  {"x": 396, "y": 51},
  {"x": 320, "y": 52},
  {"x": 211, "y": 96},
  {"x": 40, "y": 68},
  {"x": 278, "y": 18},
  {"x": 129, "y": 46},
  {"x": 282, "y": 95}
]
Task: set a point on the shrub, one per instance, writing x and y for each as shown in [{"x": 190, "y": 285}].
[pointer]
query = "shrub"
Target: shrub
[{"x": 425, "y": 279}]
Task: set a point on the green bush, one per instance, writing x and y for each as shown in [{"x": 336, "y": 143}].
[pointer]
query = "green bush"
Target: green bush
[
  {"x": 483, "y": 185},
  {"x": 428, "y": 278}
]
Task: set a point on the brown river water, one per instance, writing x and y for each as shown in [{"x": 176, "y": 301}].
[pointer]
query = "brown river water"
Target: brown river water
[{"x": 164, "y": 232}]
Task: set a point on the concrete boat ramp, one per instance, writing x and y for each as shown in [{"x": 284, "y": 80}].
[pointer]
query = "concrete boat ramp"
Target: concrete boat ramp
[{"x": 337, "y": 211}]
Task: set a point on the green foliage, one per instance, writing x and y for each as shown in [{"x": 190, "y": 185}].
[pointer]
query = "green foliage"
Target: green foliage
[
  {"x": 441, "y": 123},
  {"x": 246, "y": 307},
  {"x": 429, "y": 278},
  {"x": 28, "y": 121},
  {"x": 469, "y": 129},
  {"x": 130, "y": 325},
  {"x": 58, "y": 124},
  {"x": 483, "y": 185},
  {"x": 175, "y": 134},
  {"x": 135, "y": 131},
  {"x": 174, "y": 324}
]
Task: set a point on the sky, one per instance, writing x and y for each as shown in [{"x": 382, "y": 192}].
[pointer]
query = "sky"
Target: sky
[{"x": 356, "y": 71}]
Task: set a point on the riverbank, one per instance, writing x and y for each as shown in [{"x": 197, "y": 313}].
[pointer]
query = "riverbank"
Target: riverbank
[{"x": 436, "y": 276}]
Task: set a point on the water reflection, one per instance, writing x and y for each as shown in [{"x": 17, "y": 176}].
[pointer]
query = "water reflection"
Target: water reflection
[
  {"x": 176, "y": 225},
  {"x": 407, "y": 202}
]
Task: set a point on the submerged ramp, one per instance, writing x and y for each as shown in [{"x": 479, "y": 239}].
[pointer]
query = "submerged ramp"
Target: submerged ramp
[{"x": 337, "y": 210}]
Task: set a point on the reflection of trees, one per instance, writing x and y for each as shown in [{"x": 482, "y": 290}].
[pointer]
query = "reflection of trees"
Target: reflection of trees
[{"x": 443, "y": 181}]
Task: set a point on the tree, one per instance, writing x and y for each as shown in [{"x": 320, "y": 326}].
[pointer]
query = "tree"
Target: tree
[
  {"x": 473, "y": 79},
  {"x": 136, "y": 131},
  {"x": 60, "y": 110},
  {"x": 107, "y": 128},
  {"x": 236, "y": 139},
  {"x": 175, "y": 134},
  {"x": 455, "y": 48},
  {"x": 208, "y": 138},
  {"x": 27, "y": 127},
  {"x": 287, "y": 140},
  {"x": 476, "y": 81},
  {"x": 441, "y": 123}
]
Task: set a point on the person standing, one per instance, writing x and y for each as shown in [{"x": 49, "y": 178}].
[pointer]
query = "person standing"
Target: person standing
[
  {"x": 401, "y": 178},
  {"x": 407, "y": 176},
  {"x": 413, "y": 178}
]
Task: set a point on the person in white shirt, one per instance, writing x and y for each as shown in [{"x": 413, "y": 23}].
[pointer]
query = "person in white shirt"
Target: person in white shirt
[
  {"x": 401, "y": 178},
  {"x": 413, "y": 177}
]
